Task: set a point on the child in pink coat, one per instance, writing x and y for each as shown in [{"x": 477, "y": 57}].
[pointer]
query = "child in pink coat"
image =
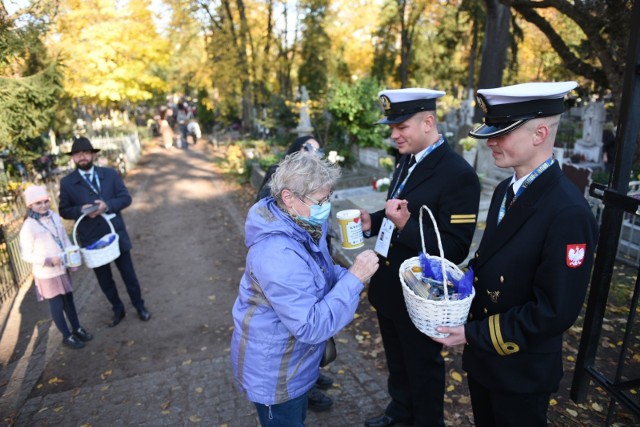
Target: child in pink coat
[{"x": 42, "y": 241}]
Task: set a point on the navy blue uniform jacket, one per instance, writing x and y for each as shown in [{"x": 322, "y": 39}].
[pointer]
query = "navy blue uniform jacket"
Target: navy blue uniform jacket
[
  {"x": 76, "y": 192},
  {"x": 449, "y": 186},
  {"x": 531, "y": 278}
]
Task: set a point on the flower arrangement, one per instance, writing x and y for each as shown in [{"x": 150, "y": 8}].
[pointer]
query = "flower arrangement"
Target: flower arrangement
[
  {"x": 333, "y": 157},
  {"x": 382, "y": 184},
  {"x": 387, "y": 163},
  {"x": 468, "y": 143}
]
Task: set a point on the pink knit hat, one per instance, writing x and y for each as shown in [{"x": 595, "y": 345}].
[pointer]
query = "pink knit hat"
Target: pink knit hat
[{"x": 34, "y": 194}]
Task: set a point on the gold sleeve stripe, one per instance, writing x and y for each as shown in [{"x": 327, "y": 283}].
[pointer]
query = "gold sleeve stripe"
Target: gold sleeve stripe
[
  {"x": 502, "y": 348},
  {"x": 463, "y": 219}
]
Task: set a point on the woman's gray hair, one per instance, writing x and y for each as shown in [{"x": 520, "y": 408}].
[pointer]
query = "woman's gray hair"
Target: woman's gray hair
[{"x": 304, "y": 173}]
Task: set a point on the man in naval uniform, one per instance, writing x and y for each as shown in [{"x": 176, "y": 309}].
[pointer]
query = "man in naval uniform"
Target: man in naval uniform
[
  {"x": 533, "y": 264},
  {"x": 428, "y": 173}
]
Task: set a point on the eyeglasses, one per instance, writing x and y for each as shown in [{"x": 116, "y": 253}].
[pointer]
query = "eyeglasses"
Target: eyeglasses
[{"x": 315, "y": 202}]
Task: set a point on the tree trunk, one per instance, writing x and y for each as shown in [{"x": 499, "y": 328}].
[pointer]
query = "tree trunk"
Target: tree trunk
[{"x": 494, "y": 48}]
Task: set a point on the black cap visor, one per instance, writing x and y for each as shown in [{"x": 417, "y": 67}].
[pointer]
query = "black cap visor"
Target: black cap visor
[
  {"x": 395, "y": 119},
  {"x": 487, "y": 131}
]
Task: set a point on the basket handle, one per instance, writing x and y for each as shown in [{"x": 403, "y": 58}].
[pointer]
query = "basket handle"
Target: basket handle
[
  {"x": 75, "y": 227},
  {"x": 424, "y": 249}
]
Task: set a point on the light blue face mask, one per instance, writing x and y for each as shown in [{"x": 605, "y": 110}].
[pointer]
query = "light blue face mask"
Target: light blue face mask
[{"x": 318, "y": 215}]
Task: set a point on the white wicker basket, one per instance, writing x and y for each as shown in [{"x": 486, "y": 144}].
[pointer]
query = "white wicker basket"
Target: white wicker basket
[
  {"x": 428, "y": 314},
  {"x": 98, "y": 257}
]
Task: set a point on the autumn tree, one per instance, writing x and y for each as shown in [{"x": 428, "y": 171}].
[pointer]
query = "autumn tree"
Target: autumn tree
[
  {"x": 315, "y": 49},
  {"x": 600, "y": 54},
  {"x": 113, "y": 50}
]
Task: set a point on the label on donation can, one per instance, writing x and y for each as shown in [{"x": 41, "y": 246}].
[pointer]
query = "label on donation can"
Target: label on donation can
[
  {"x": 350, "y": 229},
  {"x": 71, "y": 256}
]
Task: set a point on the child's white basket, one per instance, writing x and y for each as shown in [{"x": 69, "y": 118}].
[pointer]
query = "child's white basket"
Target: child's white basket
[
  {"x": 98, "y": 257},
  {"x": 428, "y": 314}
]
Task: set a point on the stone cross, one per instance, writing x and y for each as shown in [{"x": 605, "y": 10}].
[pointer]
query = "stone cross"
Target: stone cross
[
  {"x": 590, "y": 145},
  {"x": 304, "y": 125}
]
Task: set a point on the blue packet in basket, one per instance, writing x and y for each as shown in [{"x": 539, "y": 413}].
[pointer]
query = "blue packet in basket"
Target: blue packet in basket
[
  {"x": 102, "y": 243},
  {"x": 432, "y": 269},
  {"x": 465, "y": 286}
]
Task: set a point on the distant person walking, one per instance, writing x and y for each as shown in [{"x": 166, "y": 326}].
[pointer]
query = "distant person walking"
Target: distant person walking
[
  {"x": 42, "y": 241},
  {"x": 89, "y": 185},
  {"x": 166, "y": 130}
]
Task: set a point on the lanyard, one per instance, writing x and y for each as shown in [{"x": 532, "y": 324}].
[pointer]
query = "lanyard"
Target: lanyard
[
  {"x": 55, "y": 236},
  {"x": 398, "y": 190},
  {"x": 532, "y": 176},
  {"x": 88, "y": 179}
]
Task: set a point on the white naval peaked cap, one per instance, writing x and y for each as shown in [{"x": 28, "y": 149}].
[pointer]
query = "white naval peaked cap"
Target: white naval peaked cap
[
  {"x": 400, "y": 104},
  {"x": 507, "y": 108}
]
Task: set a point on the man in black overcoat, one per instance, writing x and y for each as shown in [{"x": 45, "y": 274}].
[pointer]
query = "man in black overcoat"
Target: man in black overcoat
[
  {"x": 103, "y": 191},
  {"x": 533, "y": 264},
  {"x": 428, "y": 173}
]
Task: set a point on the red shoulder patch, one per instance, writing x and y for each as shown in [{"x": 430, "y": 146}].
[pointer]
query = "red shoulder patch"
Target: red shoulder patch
[{"x": 575, "y": 254}]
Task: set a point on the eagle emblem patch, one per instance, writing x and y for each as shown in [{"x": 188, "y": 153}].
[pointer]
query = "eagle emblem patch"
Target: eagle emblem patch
[{"x": 575, "y": 254}]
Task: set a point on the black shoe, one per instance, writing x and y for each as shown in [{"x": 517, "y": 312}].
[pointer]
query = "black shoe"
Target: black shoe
[
  {"x": 324, "y": 382},
  {"x": 83, "y": 335},
  {"x": 385, "y": 420},
  {"x": 72, "y": 342},
  {"x": 144, "y": 314},
  {"x": 117, "y": 318},
  {"x": 318, "y": 401}
]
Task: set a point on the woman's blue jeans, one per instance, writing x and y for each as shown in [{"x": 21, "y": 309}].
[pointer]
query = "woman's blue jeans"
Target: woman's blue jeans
[{"x": 291, "y": 413}]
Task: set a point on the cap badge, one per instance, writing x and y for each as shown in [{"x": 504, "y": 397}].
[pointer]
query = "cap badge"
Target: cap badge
[
  {"x": 386, "y": 103},
  {"x": 482, "y": 102}
]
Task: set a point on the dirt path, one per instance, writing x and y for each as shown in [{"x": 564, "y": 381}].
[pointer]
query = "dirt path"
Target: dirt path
[{"x": 180, "y": 219}]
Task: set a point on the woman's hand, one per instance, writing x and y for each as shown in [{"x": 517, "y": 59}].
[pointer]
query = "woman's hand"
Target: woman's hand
[{"x": 365, "y": 264}]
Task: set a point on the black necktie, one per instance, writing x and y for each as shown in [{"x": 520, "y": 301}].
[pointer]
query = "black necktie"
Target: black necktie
[
  {"x": 510, "y": 196},
  {"x": 405, "y": 170}
]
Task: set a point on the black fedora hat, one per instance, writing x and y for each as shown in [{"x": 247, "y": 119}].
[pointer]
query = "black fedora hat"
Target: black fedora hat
[{"x": 82, "y": 144}]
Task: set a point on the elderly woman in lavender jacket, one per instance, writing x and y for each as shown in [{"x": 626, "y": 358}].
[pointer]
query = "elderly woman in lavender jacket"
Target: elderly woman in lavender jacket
[{"x": 292, "y": 297}]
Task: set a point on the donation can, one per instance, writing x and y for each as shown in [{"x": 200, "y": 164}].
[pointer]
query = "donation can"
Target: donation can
[
  {"x": 350, "y": 229},
  {"x": 71, "y": 256}
]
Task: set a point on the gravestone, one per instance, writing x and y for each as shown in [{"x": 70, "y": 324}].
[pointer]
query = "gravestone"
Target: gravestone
[
  {"x": 580, "y": 176},
  {"x": 589, "y": 147},
  {"x": 466, "y": 110},
  {"x": 304, "y": 125}
]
